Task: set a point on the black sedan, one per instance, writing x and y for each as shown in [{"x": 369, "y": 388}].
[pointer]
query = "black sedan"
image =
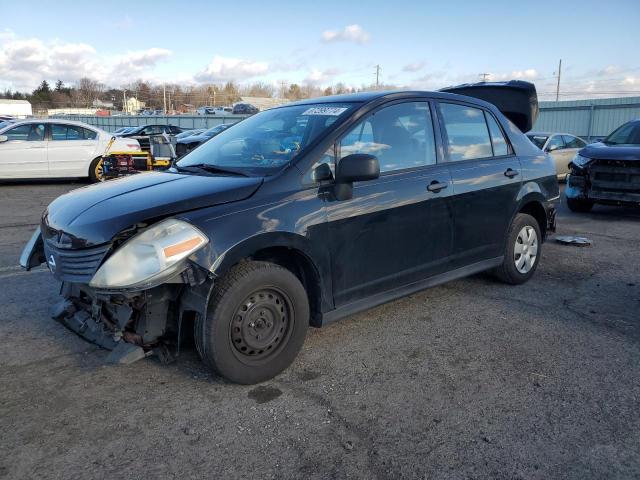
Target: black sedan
[
  {"x": 296, "y": 217},
  {"x": 185, "y": 144}
]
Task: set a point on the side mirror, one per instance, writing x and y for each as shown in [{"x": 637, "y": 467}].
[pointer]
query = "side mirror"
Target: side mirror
[
  {"x": 552, "y": 148},
  {"x": 3, "y": 138},
  {"x": 357, "y": 167},
  {"x": 322, "y": 173}
]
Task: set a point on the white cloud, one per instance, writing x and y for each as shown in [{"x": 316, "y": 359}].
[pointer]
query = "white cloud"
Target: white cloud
[
  {"x": 351, "y": 33},
  {"x": 141, "y": 59},
  {"x": 24, "y": 63},
  {"x": 317, "y": 76},
  {"x": 414, "y": 67},
  {"x": 225, "y": 68}
]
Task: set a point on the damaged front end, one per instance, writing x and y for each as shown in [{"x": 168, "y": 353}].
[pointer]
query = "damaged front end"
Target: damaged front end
[
  {"x": 128, "y": 295},
  {"x": 604, "y": 181},
  {"x": 132, "y": 325}
]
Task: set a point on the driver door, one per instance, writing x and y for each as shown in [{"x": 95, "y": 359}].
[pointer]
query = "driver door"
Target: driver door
[
  {"x": 397, "y": 229},
  {"x": 24, "y": 154}
]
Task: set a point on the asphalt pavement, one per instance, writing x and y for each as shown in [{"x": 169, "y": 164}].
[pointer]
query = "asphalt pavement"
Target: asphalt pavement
[{"x": 472, "y": 379}]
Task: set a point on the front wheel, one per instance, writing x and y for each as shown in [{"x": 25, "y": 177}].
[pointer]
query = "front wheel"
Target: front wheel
[
  {"x": 522, "y": 250},
  {"x": 256, "y": 322},
  {"x": 96, "y": 170}
]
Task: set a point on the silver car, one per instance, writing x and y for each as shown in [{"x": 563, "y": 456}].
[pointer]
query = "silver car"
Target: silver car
[{"x": 561, "y": 146}]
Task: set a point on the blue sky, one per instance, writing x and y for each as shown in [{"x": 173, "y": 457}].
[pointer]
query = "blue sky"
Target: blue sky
[{"x": 419, "y": 44}]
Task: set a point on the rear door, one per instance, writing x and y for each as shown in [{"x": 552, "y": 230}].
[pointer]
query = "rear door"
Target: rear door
[
  {"x": 71, "y": 150},
  {"x": 397, "y": 229},
  {"x": 486, "y": 181},
  {"x": 24, "y": 155}
]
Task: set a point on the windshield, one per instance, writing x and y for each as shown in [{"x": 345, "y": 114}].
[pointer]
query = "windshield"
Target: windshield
[
  {"x": 538, "y": 140},
  {"x": 268, "y": 140},
  {"x": 628, "y": 134}
]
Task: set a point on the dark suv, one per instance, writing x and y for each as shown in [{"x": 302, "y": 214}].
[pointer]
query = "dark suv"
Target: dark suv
[
  {"x": 607, "y": 172},
  {"x": 244, "y": 109},
  {"x": 297, "y": 216}
]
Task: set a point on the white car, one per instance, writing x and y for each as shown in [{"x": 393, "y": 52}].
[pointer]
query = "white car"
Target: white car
[
  {"x": 561, "y": 146},
  {"x": 56, "y": 148}
]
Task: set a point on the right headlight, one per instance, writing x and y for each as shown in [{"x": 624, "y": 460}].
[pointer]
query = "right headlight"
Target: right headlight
[
  {"x": 580, "y": 161},
  {"x": 150, "y": 256}
]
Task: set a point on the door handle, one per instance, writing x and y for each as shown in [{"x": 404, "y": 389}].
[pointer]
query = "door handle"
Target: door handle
[
  {"x": 436, "y": 186},
  {"x": 510, "y": 173}
]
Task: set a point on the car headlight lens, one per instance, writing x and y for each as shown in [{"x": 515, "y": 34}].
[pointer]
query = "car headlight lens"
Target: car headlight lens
[
  {"x": 156, "y": 252},
  {"x": 580, "y": 161}
]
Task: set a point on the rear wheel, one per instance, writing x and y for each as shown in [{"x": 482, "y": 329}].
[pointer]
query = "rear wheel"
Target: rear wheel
[
  {"x": 96, "y": 170},
  {"x": 256, "y": 323},
  {"x": 579, "y": 205},
  {"x": 522, "y": 250}
]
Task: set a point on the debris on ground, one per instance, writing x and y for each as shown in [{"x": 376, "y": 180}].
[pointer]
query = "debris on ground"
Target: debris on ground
[{"x": 574, "y": 240}]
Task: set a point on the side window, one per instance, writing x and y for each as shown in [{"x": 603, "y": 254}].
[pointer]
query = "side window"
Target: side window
[
  {"x": 21, "y": 132},
  {"x": 573, "y": 142},
  {"x": 401, "y": 136},
  {"x": 89, "y": 134},
  {"x": 556, "y": 143},
  {"x": 58, "y": 132},
  {"x": 467, "y": 132},
  {"x": 32, "y": 132},
  {"x": 500, "y": 145}
]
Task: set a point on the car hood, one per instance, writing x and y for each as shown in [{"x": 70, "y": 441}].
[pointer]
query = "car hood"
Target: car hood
[
  {"x": 602, "y": 151},
  {"x": 94, "y": 215}
]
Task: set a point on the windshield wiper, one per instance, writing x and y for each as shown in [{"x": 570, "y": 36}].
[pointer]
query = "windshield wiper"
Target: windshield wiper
[{"x": 211, "y": 169}]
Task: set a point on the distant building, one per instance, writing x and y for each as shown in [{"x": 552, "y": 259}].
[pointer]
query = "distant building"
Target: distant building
[
  {"x": 71, "y": 111},
  {"x": 133, "y": 105},
  {"x": 264, "y": 103},
  {"x": 15, "y": 108},
  {"x": 100, "y": 104}
]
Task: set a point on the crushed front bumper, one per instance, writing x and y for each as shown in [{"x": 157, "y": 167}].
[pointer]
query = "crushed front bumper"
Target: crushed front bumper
[{"x": 605, "y": 181}]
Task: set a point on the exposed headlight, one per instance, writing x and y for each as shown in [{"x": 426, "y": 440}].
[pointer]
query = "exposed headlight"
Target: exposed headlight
[
  {"x": 148, "y": 257},
  {"x": 580, "y": 161}
]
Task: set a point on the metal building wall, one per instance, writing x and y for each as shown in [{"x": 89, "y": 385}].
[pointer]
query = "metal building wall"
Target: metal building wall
[{"x": 588, "y": 119}]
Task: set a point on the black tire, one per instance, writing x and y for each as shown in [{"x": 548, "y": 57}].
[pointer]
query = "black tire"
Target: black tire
[
  {"x": 509, "y": 272},
  {"x": 94, "y": 175},
  {"x": 579, "y": 205},
  {"x": 256, "y": 323}
]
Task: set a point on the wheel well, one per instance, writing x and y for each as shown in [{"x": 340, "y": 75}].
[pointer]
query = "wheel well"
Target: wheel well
[
  {"x": 537, "y": 211},
  {"x": 303, "y": 268}
]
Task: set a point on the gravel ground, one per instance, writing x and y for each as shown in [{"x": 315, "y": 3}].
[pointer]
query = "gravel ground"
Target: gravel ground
[{"x": 473, "y": 379}]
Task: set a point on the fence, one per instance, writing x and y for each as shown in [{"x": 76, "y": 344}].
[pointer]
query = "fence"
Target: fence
[
  {"x": 111, "y": 123},
  {"x": 589, "y": 119}
]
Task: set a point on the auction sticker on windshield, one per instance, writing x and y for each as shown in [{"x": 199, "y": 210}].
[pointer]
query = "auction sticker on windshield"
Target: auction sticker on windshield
[{"x": 331, "y": 111}]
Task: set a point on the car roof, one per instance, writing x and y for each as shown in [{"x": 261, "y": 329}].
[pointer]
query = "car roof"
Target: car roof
[
  {"x": 365, "y": 97},
  {"x": 56, "y": 120}
]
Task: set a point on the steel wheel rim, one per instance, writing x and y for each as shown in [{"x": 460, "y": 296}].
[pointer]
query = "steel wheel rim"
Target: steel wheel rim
[
  {"x": 525, "y": 252},
  {"x": 261, "y": 325},
  {"x": 99, "y": 170}
]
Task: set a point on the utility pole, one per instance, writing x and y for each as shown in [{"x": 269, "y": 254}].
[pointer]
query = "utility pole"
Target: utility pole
[
  {"x": 124, "y": 101},
  {"x": 377, "y": 76},
  {"x": 164, "y": 97},
  {"x": 558, "y": 85},
  {"x": 484, "y": 76}
]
